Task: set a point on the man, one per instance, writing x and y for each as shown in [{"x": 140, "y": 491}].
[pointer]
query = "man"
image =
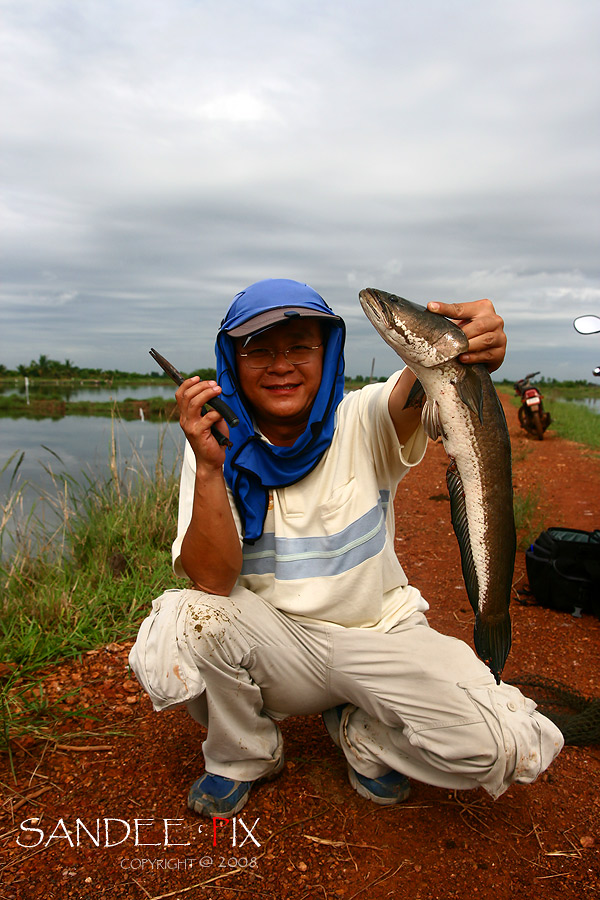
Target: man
[{"x": 300, "y": 605}]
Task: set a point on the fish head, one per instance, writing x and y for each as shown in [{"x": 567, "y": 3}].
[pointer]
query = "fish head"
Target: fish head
[{"x": 417, "y": 335}]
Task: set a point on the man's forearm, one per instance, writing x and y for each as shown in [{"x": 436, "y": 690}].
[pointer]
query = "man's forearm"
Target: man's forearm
[
  {"x": 211, "y": 554},
  {"x": 405, "y": 418}
]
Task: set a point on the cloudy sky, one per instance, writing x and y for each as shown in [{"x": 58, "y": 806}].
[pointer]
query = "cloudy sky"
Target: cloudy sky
[{"x": 160, "y": 155}]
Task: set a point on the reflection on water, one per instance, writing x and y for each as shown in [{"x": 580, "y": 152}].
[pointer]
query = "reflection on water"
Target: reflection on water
[
  {"x": 79, "y": 447},
  {"x": 592, "y": 403},
  {"x": 89, "y": 393}
]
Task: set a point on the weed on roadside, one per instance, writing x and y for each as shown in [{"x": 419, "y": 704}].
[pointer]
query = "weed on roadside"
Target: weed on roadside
[{"x": 529, "y": 515}]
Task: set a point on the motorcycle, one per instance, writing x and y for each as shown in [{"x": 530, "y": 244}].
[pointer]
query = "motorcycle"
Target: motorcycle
[
  {"x": 532, "y": 416},
  {"x": 588, "y": 325}
]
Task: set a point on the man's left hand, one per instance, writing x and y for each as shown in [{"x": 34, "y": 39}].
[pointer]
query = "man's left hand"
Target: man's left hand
[{"x": 482, "y": 325}]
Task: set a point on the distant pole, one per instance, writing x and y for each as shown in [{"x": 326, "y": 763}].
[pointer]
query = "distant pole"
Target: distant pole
[
  {"x": 27, "y": 390},
  {"x": 372, "y": 371}
]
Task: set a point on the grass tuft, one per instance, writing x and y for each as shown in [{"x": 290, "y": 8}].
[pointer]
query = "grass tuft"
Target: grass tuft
[
  {"x": 89, "y": 579},
  {"x": 529, "y": 516},
  {"x": 574, "y": 422},
  {"x": 85, "y": 582},
  {"x": 570, "y": 420}
]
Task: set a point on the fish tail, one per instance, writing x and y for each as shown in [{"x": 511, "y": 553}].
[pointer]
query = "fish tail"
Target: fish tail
[{"x": 492, "y": 638}]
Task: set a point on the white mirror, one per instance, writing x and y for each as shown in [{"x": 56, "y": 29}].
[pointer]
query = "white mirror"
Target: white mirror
[{"x": 587, "y": 324}]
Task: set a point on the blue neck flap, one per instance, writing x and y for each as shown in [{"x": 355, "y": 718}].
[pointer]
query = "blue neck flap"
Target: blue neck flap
[{"x": 253, "y": 466}]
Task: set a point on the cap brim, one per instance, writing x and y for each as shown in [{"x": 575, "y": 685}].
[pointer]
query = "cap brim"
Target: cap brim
[{"x": 274, "y": 316}]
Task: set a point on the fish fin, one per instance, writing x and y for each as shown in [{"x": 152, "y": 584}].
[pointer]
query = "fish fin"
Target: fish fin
[
  {"x": 460, "y": 523},
  {"x": 430, "y": 417},
  {"x": 470, "y": 391},
  {"x": 492, "y": 641}
]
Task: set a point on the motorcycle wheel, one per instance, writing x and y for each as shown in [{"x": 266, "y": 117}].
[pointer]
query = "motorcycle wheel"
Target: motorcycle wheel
[{"x": 537, "y": 424}]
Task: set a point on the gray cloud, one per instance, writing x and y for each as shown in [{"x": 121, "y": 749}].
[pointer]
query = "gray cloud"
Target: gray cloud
[{"x": 161, "y": 156}]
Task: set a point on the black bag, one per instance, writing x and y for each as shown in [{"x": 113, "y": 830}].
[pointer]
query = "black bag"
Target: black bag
[{"x": 563, "y": 568}]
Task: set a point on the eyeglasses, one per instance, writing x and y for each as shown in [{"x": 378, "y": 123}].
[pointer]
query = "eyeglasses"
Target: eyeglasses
[{"x": 262, "y": 357}]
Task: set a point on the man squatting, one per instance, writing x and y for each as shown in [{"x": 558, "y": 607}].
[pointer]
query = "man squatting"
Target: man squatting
[{"x": 300, "y": 605}]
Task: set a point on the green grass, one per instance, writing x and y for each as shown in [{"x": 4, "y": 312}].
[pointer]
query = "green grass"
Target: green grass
[
  {"x": 92, "y": 578},
  {"x": 15, "y": 406},
  {"x": 571, "y": 421},
  {"x": 529, "y": 516},
  {"x": 26, "y": 711},
  {"x": 574, "y": 422},
  {"x": 87, "y": 582}
]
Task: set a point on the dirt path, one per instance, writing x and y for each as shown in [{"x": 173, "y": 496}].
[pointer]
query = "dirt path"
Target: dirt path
[{"x": 307, "y": 834}]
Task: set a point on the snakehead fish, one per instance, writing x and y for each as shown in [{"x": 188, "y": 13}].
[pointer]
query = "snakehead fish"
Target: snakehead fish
[{"x": 462, "y": 408}]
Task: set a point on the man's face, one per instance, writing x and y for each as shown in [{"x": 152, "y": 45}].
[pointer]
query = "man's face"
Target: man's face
[{"x": 282, "y": 394}]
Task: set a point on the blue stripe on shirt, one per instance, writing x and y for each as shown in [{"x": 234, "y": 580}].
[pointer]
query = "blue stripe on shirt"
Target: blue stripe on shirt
[{"x": 318, "y": 557}]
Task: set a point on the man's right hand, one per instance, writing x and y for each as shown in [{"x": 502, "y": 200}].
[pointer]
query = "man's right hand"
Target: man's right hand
[{"x": 191, "y": 397}]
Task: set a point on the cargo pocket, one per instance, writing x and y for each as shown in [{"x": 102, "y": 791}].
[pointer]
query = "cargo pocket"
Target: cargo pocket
[
  {"x": 526, "y": 741},
  {"x": 160, "y": 658}
]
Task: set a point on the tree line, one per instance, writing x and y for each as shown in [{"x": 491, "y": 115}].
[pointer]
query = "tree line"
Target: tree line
[
  {"x": 52, "y": 370},
  {"x": 48, "y": 369}
]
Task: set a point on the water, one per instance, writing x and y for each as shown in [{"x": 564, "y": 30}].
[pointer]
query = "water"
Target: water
[
  {"x": 80, "y": 447},
  {"x": 85, "y": 393},
  {"x": 83, "y": 443},
  {"x": 592, "y": 403}
]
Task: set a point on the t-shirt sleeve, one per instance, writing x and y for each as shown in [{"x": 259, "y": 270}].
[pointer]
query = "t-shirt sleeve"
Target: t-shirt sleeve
[{"x": 186, "y": 500}]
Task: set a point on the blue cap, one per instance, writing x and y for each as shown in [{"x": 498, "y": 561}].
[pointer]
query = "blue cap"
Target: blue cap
[{"x": 271, "y": 301}]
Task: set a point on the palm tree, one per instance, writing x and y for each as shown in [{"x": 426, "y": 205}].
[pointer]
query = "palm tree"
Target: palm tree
[{"x": 42, "y": 365}]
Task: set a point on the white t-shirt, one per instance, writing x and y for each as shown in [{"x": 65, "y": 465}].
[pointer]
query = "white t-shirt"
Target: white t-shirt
[{"x": 327, "y": 550}]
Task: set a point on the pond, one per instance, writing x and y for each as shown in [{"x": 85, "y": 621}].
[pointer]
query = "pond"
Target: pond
[
  {"x": 592, "y": 403},
  {"x": 79, "y": 447},
  {"x": 89, "y": 392}
]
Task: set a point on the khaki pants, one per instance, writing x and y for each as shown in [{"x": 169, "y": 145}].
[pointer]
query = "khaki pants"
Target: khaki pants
[{"x": 419, "y": 702}]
